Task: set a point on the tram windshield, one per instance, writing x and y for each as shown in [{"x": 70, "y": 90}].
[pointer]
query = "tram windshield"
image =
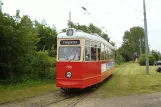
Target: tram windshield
[{"x": 69, "y": 53}]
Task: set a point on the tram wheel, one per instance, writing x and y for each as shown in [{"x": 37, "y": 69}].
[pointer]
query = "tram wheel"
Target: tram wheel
[{"x": 64, "y": 90}]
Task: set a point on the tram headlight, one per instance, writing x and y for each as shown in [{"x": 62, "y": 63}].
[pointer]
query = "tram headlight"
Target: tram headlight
[{"x": 69, "y": 74}]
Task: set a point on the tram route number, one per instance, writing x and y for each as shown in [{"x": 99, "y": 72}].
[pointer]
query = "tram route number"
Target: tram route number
[
  {"x": 69, "y": 67},
  {"x": 70, "y": 42}
]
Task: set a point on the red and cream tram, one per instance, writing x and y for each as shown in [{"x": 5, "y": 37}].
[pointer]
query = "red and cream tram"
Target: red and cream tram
[{"x": 83, "y": 59}]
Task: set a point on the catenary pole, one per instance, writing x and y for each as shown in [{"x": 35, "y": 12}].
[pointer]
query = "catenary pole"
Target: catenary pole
[
  {"x": 146, "y": 38},
  {"x": 70, "y": 23}
]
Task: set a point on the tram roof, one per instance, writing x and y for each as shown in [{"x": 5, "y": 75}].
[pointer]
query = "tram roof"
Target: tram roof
[{"x": 81, "y": 34}]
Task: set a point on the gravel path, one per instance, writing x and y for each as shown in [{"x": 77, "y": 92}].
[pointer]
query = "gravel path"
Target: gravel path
[{"x": 146, "y": 100}]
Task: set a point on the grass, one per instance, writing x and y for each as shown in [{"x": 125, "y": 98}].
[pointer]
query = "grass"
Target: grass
[
  {"x": 29, "y": 89},
  {"x": 131, "y": 79}
]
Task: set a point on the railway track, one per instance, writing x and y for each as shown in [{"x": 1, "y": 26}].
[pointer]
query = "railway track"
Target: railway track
[
  {"x": 71, "y": 100},
  {"x": 121, "y": 68}
]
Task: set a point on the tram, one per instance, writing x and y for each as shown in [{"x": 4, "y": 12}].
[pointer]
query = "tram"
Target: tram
[{"x": 83, "y": 59}]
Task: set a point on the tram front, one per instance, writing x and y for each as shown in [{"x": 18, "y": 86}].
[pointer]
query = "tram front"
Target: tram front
[{"x": 69, "y": 59}]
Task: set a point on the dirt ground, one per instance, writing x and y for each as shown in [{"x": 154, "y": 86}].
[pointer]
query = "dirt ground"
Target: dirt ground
[{"x": 144, "y": 100}]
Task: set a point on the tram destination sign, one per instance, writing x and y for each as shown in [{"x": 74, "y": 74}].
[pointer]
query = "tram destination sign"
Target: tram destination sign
[{"x": 70, "y": 42}]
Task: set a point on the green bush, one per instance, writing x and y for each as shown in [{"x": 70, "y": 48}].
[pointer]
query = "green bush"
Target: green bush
[
  {"x": 119, "y": 59},
  {"x": 142, "y": 60},
  {"x": 45, "y": 65},
  {"x": 52, "y": 53}
]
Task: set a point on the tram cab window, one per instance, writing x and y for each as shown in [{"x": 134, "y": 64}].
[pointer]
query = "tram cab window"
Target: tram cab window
[{"x": 69, "y": 53}]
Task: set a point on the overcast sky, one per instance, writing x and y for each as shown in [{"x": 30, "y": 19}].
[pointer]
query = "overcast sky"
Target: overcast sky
[{"x": 116, "y": 16}]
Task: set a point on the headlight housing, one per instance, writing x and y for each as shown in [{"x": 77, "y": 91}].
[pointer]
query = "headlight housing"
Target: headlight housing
[{"x": 69, "y": 74}]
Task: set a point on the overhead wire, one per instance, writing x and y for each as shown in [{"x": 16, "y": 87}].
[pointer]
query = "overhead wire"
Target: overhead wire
[
  {"x": 93, "y": 17},
  {"x": 85, "y": 9},
  {"x": 131, "y": 7},
  {"x": 88, "y": 12}
]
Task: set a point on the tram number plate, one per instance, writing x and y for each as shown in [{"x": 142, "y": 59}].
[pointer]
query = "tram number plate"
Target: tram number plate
[{"x": 70, "y": 42}]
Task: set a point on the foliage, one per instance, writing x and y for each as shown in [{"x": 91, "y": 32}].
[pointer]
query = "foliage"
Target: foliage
[
  {"x": 1, "y": 3},
  {"x": 20, "y": 39},
  {"x": 132, "y": 39},
  {"x": 45, "y": 65},
  {"x": 46, "y": 35},
  {"x": 119, "y": 59},
  {"x": 142, "y": 59},
  {"x": 156, "y": 55}
]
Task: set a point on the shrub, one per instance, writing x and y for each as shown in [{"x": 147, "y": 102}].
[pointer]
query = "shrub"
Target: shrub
[
  {"x": 119, "y": 59},
  {"x": 142, "y": 60},
  {"x": 45, "y": 65}
]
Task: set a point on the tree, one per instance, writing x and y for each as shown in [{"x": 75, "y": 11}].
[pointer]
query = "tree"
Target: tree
[
  {"x": 156, "y": 54},
  {"x": 105, "y": 36},
  {"x": 132, "y": 39},
  {"x": 46, "y": 35},
  {"x": 17, "y": 40},
  {"x": 1, "y": 4},
  {"x": 95, "y": 29}
]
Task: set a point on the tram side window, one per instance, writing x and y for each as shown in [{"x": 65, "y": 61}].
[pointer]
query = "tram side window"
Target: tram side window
[
  {"x": 87, "y": 43},
  {"x": 110, "y": 54},
  {"x": 102, "y": 52},
  {"x": 98, "y": 50},
  {"x": 93, "y": 54},
  {"x": 87, "y": 51},
  {"x": 105, "y": 52},
  {"x": 113, "y": 54}
]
